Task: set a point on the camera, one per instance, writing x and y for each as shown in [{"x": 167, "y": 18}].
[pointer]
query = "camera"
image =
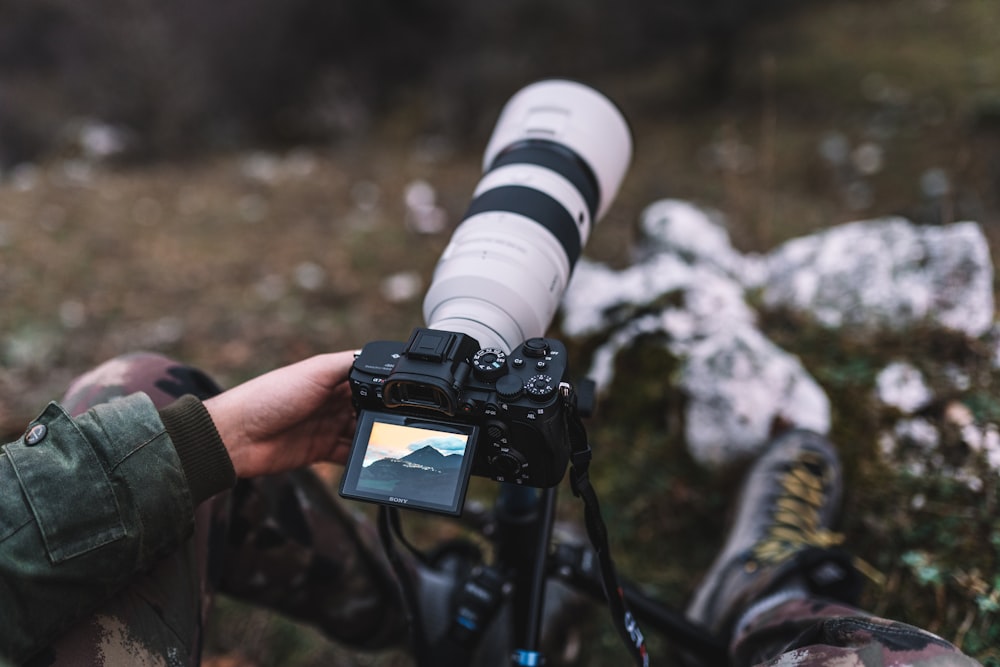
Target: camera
[
  {"x": 479, "y": 391},
  {"x": 439, "y": 408}
]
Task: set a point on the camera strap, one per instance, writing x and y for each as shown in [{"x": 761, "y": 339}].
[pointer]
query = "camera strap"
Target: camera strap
[{"x": 580, "y": 457}]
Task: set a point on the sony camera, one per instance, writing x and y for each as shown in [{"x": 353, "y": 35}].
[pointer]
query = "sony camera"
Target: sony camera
[
  {"x": 479, "y": 390},
  {"x": 439, "y": 408}
]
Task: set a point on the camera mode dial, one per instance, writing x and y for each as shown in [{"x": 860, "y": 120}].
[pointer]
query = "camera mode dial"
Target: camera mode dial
[{"x": 489, "y": 363}]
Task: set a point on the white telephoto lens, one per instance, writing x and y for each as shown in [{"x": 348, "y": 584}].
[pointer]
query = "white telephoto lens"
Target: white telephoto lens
[
  {"x": 572, "y": 115},
  {"x": 555, "y": 161}
]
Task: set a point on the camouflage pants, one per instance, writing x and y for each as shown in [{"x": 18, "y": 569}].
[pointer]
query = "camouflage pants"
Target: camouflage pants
[
  {"x": 286, "y": 543},
  {"x": 829, "y": 634},
  {"x": 282, "y": 541}
]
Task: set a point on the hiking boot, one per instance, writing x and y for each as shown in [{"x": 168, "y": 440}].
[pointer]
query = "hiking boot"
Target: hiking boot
[{"x": 780, "y": 545}]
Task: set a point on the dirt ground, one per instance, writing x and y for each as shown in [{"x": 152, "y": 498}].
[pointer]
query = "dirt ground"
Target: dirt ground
[{"x": 241, "y": 261}]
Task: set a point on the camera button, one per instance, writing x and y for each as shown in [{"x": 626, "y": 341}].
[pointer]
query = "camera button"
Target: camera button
[
  {"x": 536, "y": 347},
  {"x": 541, "y": 365},
  {"x": 510, "y": 387}
]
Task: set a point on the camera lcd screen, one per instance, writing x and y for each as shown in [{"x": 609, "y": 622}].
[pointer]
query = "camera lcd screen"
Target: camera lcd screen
[{"x": 409, "y": 462}]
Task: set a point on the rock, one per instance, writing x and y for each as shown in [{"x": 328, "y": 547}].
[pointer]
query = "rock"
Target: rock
[
  {"x": 599, "y": 298},
  {"x": 695, "y": 236},
  {"x": 739, "y": 385},
  {"x": 914, "y": 446},
  {"x": 985, "y": 441},
  {"x": 910, "y": 446},
  {"x": 886, "y": 274},
  {"x": 689, "y": 285},
  {"x": 902, "y": 386},
  {"x": 423, "y": 214},
  {"x": 401, "y": 287}
]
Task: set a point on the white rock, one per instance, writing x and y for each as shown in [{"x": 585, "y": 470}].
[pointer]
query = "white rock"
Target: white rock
[
  {"x": 887, "y": 274},
  {"x": 738, "y": 385},
  {"x": 401, "y": 287},
  {"x": 684, "y": 229},
  {"x": 689, "y": 285},
  {"x": 694, "y": 235},
  {"x": 100, "y": 140},
  {"x": 902, "y": 385},
  {"x": 917, "y": 432},
  {"x": 598, "y": 297},
  {"x": 310, "y": 276},
  {"x": 596, "y": 291},
  {"x": 423, "y": 215}
]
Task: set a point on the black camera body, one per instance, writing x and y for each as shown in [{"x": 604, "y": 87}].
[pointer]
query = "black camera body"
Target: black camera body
[{"x": 483, "y": 412}]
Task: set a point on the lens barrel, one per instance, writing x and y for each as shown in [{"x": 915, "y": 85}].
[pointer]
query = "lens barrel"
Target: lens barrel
[{"x": 553, "y": 165}]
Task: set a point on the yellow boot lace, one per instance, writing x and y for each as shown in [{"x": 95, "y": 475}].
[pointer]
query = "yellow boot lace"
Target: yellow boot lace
[{"x": 796, "y": 521}]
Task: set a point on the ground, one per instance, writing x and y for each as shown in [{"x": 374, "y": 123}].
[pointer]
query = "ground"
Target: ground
[{"x": 241, "y": 261}]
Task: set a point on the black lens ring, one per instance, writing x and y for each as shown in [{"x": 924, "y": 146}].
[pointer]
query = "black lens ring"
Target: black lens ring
[
  {"x": 560, "y": 159},
  {"x": 537, "y": 206}
]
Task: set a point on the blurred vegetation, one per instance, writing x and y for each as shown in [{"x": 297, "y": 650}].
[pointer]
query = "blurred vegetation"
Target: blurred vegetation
[
  {"x": 256, "y": 207},
  {"x": 185, "y": 76}
]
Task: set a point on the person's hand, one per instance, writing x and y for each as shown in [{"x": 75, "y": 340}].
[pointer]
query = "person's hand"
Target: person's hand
[{"x": 288, "y": 418}]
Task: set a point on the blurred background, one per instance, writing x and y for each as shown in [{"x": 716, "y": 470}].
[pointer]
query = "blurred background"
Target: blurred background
[{"x": 241, "y": 184}]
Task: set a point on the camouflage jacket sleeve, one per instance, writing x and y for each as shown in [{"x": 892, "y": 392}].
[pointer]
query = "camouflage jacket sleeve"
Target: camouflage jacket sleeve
[{"x": 88, "y": 502}]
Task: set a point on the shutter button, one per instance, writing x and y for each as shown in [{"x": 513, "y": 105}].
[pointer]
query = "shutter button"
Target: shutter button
[{"x": 35, "y": 434}]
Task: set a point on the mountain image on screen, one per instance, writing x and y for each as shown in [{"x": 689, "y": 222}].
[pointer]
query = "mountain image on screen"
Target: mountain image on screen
[{"x": 425, "y": 476}]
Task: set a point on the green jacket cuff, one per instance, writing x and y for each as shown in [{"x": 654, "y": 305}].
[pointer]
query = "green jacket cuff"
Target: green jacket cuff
[{"x": 203, "y": 455}]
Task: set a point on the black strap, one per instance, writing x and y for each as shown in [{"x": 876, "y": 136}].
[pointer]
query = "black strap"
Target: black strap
[
  {"x": 580, "y": 458},
  {"x": 389, "y": 526}
]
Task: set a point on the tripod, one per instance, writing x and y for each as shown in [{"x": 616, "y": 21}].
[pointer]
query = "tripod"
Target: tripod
[{"x": 527, "y": 562}]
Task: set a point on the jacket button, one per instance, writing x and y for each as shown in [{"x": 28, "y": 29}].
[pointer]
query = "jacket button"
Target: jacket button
[{"x": 35, "y": 434}]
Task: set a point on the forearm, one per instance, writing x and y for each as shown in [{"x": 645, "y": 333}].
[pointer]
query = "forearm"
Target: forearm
[{"x": 93, "y": 502}]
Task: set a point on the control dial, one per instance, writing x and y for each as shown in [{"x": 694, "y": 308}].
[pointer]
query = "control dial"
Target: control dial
[
  {"x": 536, "y": 347},
  {"x": 497, "y": 431},
  {"x": 541, "y": 387},
  {"x": 508, "y": 463},
  {"x": 510, "y": 387},
  {"x": 489, "y": 363}
]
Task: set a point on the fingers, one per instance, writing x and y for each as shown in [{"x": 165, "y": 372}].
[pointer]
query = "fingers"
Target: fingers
[
  {"x": 275, "y": 416},
  {"x": 329, "y": 369},
  {"x": 341, "y": 449}
]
